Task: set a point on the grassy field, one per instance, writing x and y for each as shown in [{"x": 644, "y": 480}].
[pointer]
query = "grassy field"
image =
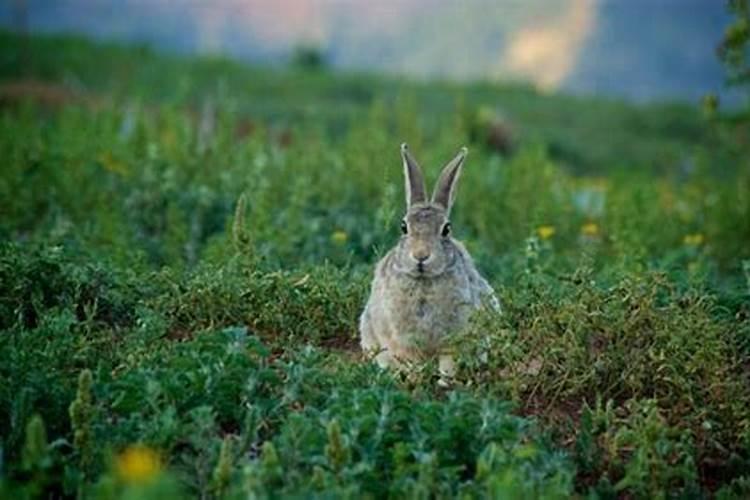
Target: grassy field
[{"x": 186, "y": 244}]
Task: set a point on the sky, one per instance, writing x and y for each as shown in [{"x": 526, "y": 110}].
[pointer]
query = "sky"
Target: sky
[{"x": 637, "y": 49}]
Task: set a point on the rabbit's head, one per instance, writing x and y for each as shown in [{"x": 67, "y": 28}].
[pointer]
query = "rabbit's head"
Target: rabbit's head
[{"x": 426, "y": 248}]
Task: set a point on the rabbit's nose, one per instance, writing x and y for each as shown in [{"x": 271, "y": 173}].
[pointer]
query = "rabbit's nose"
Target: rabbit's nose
[{"x": 421, "y": 257}]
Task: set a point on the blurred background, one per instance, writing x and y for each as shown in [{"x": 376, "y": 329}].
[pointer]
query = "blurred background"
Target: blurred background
[
  {"x": 636, "y": 49},
  {"x": 165, "y": 113}
]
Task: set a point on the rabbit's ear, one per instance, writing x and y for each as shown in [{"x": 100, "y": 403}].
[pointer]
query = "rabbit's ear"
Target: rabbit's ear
[
  {"x": 445, "y": 190},
  {"x": 416, "y": 192}
]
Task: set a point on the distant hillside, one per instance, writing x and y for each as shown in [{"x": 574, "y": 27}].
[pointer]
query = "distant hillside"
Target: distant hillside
[{"x": 638, "y": 49}]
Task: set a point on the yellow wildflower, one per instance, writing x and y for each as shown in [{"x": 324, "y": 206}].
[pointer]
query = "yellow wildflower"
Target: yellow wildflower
[
  {"x": 339, "y": 237},
  {"x": 138, "y": 464},
  {"x": 693, "y": 240},
  {"x": 110, "y": 163},
  {"x": 168, "y": 138},
  {"x": 590, "y": 229},
  {"x": 545, "y": 232}
]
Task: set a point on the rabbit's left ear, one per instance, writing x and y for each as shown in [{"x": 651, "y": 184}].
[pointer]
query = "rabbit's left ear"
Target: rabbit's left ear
[
  {"x": 416, "y": 191},
  {"x": 445, "y": 190}
]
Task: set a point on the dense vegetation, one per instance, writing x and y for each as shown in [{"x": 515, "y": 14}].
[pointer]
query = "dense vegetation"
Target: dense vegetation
[{"x": 186, "y": 246}]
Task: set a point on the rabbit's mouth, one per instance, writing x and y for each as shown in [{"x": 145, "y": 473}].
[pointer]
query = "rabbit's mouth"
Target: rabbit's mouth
[
  {"x": 434, "y": 268},
  {"x": 422, "y": 271},
  {"x": 419, "y": 272}
]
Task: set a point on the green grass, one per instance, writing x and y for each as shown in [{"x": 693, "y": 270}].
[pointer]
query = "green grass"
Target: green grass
[{"x": 187, "y": 244}]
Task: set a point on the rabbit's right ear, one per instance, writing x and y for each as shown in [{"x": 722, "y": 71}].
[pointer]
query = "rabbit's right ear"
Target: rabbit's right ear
[
  {"x": 445, "y": 190},
  {"x": 416, "y": 192}
]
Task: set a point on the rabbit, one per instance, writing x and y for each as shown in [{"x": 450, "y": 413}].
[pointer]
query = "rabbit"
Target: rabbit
[{"x": 426, "y": 287}]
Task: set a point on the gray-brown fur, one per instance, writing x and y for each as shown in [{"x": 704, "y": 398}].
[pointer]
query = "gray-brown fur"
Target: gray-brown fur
[{"x": 426, "y": 287}]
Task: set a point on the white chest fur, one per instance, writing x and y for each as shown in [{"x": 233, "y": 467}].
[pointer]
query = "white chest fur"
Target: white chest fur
[{"x": 424, "y": 311}]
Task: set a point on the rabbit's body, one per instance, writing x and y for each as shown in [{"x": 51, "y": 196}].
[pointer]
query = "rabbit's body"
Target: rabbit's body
[
  {"x": 427, "y": 286},
  {"x": 407, "y": 318}
]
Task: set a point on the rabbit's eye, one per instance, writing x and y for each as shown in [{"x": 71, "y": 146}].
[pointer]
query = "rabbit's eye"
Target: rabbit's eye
[
  {"x": 446, "y": 229},
  {"x": 404, "y": 229}
]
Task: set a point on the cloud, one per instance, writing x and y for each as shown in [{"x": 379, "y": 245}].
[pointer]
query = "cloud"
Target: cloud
[{"x": 546, "y": 53}]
